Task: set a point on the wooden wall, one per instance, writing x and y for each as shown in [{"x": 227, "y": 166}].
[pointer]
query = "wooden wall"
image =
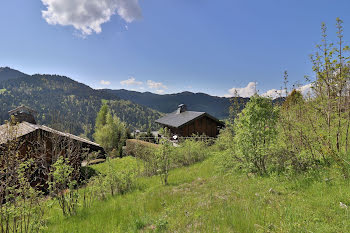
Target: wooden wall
[
  {"x": 45, "y": 148},
  {"x": 203, "y": 125}
]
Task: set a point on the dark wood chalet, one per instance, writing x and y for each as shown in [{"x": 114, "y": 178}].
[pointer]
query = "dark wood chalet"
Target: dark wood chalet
[
  {"x": 187, "y": 123},
  {"x": 22, "y": 136}
]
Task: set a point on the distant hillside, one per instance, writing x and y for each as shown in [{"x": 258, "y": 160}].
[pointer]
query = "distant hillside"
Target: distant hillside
[
  {"x": 68, "y": 105},
  {"x": 216, "y": 106},
  {"x": 7, "y": 73}
]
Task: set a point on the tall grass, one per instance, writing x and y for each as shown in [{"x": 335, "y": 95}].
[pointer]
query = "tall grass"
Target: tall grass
[{"x": 199, "y": 199}]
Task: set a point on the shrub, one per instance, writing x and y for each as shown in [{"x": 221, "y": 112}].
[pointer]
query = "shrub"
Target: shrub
[
  {"x": 97, "y": 188},
  {"x": 190, "y": 152},
  {"x": 111, "y": 182},
  {"x": 144, "y": 151},
  {"x": 139, "y": 149},
  {"x": 63, "y": 187},
  {"x": 225, "y": 138},
  {"x": 22, "y": 209},
  {"x": 256, "y": 134},
  {"x": 118, "y": 182},
  {"x": 163, "y": 160}
]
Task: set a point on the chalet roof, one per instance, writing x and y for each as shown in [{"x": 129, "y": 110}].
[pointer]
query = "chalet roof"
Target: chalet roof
[
  {"x": 177, "y": 119},
  {"x": 24, "y": 128},
  {"x": 21, "y": 108}
]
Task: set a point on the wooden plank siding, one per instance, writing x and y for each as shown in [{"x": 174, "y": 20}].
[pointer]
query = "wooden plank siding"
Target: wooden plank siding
[{"x": 203, "y": 125}]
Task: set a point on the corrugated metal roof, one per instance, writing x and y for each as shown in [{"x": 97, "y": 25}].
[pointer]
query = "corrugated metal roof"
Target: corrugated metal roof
[
  {"x": 178, "y": 119},
  {"x": 8, "y": 132}
]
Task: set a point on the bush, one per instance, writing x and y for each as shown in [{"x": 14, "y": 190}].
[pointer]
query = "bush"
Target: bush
[
  {"x": 111, "y": 182},
  {"x": 256, "y": 134},
  {"x": 139, "y": 149},
  {"x": 189, "y": 152},
  {"x": 164, "y": 160},
  {"x": 62, "y": 186},
  {"x": 118, "y": 182},
  {"x": 160, "y": 158},
  {"x": 144, "y": 151},
  {"x": 22, "y": 209},
  {"x": 225, "y": 138}
]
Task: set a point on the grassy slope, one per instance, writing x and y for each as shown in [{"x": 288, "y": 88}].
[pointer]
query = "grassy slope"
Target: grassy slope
[{"x": 199, "y": 199}]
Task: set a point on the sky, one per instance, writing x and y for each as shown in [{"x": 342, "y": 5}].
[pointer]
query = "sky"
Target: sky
[{"x": 169, "y": 46}]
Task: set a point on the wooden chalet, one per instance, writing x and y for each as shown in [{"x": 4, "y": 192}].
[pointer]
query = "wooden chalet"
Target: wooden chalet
[
  {"x": 185, "y": 123},
  {"x": 21, "y": 136}
]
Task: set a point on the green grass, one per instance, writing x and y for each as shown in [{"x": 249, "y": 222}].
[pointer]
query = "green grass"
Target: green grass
[
  {"x": 201, "y": 199},
  {"x": 118, "y": 164}
]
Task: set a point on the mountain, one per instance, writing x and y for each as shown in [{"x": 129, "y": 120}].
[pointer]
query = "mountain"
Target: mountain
[
  {"x": 67, "y": 105},
  {"x": 7, "y": 73},
  {"x": 216, "y": 106}
]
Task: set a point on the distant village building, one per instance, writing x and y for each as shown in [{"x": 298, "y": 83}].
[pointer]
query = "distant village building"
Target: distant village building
[
  {"x": 186, "y": 123},
  {"x": 23, "y": 136}
]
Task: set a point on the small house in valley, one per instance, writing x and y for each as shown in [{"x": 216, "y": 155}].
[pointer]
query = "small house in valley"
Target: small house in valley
[{"x": 185, "y": 123}]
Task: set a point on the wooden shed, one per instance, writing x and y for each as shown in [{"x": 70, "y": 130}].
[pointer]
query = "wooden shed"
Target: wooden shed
[
  {"x": 186, "y": 123},
  {"x": 23, "y": 138}
]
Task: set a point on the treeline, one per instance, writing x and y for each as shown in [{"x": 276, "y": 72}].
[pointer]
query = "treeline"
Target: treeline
[
  {"x": 67, "y": 105},
  {"x": 304, "y": 132}
]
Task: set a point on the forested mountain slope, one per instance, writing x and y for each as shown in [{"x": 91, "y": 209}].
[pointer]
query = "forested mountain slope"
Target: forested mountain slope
[
  {"x": 7, "y": 73},
  {"x": 214, "y": 105},
  {"x": 67, "y": 105}
]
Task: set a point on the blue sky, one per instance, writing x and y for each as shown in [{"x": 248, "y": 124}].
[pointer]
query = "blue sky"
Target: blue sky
[{"x": 168, "y": 46}]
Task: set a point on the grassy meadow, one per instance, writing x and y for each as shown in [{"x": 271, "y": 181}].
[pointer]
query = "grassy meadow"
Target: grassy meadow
[{"x": 201, "y": 198}]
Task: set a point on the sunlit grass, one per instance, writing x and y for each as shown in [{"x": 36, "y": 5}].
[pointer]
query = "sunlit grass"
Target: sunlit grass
[{"x": 201, "y": 199}]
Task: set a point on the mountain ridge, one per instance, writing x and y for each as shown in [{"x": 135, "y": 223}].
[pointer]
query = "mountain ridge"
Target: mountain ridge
[
  {"x": 67, "y": 105},
  {"x": 77, "y": 104},
  {"x": 166, "y": 103},
  {"x": 214, "y": 105},
  {"x": 7, "y": 73}
]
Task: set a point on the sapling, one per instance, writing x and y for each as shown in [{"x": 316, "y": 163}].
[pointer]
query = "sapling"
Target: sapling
[
  {"x": 62, "y": 186},
  {"x": 164, "y": 160}
]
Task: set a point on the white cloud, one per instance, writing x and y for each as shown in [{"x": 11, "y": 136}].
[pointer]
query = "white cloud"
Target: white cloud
[
  {"x": 247, "y": 91},
  {"x": 130, "y": 81},
  {"x": 155, "y": 85},
  {"x": 274, "y": 93},
  {"x": 87, "y": 16},
  {"x": 250, "y": 89},
  {"x": 160, "y": 91},
  {"x": 103, "y": 82},
  {"x": 306, "y": 89}
]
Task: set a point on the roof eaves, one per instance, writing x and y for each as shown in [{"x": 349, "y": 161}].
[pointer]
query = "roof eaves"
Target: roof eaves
[{"x": 30, "y": 128}]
